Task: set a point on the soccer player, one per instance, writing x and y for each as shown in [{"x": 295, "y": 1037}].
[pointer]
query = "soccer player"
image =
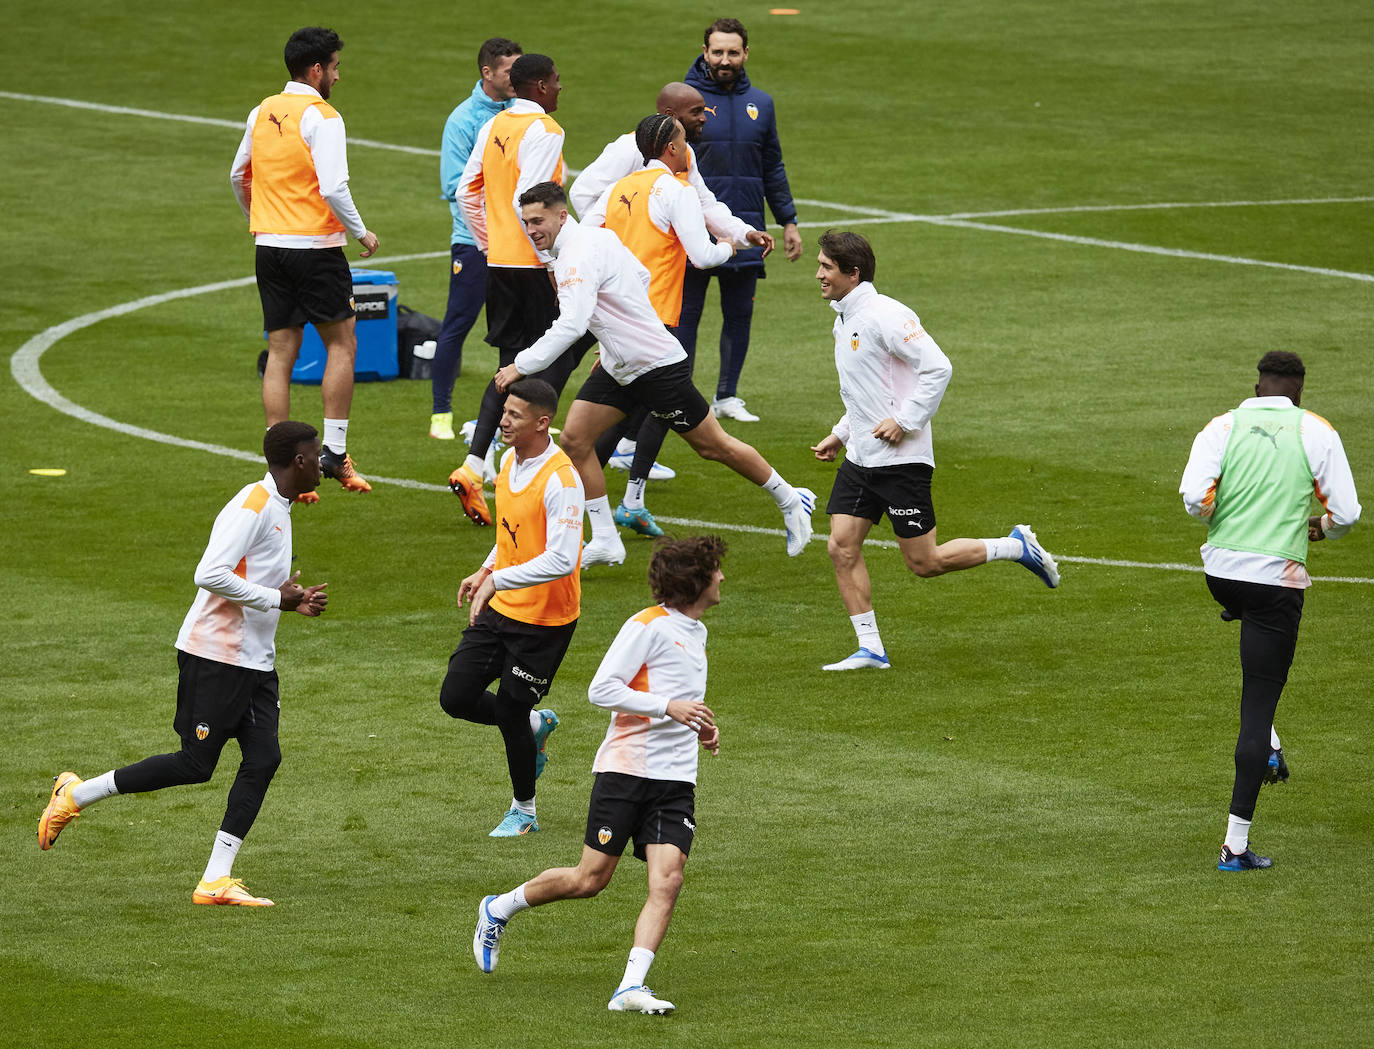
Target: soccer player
[
  {"x": 226, "y": 655},
  {"x": 1251, "y": 476},
  {"x": 892, "y": 378},
  {"x": 525, "y": 598},
  {"x": 603, "y": 288},
  {"x": 467, "y": 288},
  {"x": 516, "y": 149},
  {"x": 653, "y": 680},
  {"x": 658, "y": 217},
  {"x": 290, "y": 177}
]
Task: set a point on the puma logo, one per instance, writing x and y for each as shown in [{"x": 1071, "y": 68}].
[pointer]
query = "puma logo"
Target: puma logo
[
  {"x": 627, "y": 201},
  {"x": 506, "y": 525},
  {"x": 1271, "y": 438},
  {"x": 272, "y": 118},
  {"x": 500, "y": 145},
  {"x": 710, "y": 109}
]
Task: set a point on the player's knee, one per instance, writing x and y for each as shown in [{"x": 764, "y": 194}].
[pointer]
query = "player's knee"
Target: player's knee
[
  {"x": 591, "y": 882},
  {"x": 1251, "y": 751},
  {"x": 667, "y": 886},
  {"x": 844, "y": 555},
  {"x": 197, "y": 767},
  {"x": 716, "y": 451},
  {"x": 924, "y": 565}
]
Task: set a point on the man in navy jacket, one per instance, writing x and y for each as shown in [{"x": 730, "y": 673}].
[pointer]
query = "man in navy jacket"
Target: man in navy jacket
[{"x": 741, "y": 160}]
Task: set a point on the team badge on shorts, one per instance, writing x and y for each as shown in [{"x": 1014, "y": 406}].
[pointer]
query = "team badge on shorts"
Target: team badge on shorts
[
  {"x": 457, "y": 268},
  {"x": 752, "y": 110},
  {"x": 603, "y": 835},
  {"x": 202, "y": 730}
]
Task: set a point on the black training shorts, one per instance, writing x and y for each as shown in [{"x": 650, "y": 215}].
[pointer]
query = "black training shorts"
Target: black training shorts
[
  {"x": 297, "y": 285},
  {"x": 667, "y": 392},
  {"x": 652, "y": 811},
  {"x": 902, "y": 492},
  {"x": 521, "y": 306}
]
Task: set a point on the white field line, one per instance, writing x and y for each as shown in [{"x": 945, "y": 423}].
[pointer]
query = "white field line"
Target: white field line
[
  {"x": 24, "y": 364},
  {"x": 1148, "y": 249}
]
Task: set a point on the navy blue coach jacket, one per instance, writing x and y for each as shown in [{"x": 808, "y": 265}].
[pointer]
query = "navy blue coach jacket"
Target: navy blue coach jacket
[{"x": 739, "y": 155}]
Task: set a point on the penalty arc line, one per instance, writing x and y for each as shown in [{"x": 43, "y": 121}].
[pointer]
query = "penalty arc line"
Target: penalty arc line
[{"x": 24, "y": 366}]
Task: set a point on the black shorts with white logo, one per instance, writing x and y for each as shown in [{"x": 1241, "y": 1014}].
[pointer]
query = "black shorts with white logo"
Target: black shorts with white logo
[
  {"x": 303, "y": 284},
  {"x": 521, "y": 306},
  {"x": 667, "y": 392},
  {"x": 652, "y": 811},
  {"x": 902, "y": 492}
]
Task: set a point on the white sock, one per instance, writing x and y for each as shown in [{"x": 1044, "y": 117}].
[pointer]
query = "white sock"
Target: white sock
[
  {"x": 474, "y": 464},
  {"x": 1237, "y": 835},
  {"x": 866, "y": 629},
  {"x": 221, "y": 863},
  {"x": 1274, "y": 743},
  {"x": 536, "y": 722},
  {"x": 508, "y": 905},
  {"x": 634, "y": 494},
  {"x": 783, "y": 493},
  {"x": 527, "y": 807},
  {"x": 93, "y": 790},
  {"x": 1004, "y": 549},
  {"x": 625, "y": 447},
  {"x": 336, "y": 435},
  {"x": 637, "y": 968},
  {"x": 599, "y": 514}
]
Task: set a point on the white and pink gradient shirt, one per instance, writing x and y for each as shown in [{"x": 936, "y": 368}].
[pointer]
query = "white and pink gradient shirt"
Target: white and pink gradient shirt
[
  {"x": 234, "y": 616},
  {"x": 659, "y": 655}
]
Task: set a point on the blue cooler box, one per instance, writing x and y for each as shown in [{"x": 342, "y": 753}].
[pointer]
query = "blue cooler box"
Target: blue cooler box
[{"x": 374, "y": 299}]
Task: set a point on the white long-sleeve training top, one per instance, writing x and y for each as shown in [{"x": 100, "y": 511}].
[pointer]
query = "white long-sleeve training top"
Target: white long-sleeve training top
[
  {"x": 1335, "y": 489},
  {"x": 234, "y": 616},
  {"x": 889, "y": 367},
  {"x": 563, "y": 521},
  {"x": 537, "y": 157},
  {"x": 328, "y": 144},
  {"x": 673, "y": 208},
  {"x": 621, "y": 158},
  {"x": 659, "y": 654},
  {"x": 603, "y": 288}
]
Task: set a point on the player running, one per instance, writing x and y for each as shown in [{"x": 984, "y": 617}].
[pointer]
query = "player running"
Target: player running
[
  {"x": 653, "y": 679},
  {"x": 892, "y": 377}
]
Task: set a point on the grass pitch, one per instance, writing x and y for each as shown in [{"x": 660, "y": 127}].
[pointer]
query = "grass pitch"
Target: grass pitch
[{"x": 1008, "y": 838}]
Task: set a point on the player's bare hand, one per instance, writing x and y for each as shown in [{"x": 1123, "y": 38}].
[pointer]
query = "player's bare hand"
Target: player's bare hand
[
  {"x": 468, "y": 587},
  {"x": 505, "y": 376},
  {"x": 791, "y": 242},
  {"x": 710, "y": 738},
  {"x": 695, "y": 715},
  {"x": 1314, "y": 529},
  {"x": 763, "y": 240},
  {"x": 369, "y": 243},
  {"x": 480, "y": 598},
  {"x": 888, "y": 430},
  {"x": 314, "y": 600},
  {"x": 828, "y": 449}
]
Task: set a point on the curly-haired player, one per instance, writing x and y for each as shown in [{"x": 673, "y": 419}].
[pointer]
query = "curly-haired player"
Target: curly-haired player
[{"x": 653, "y": 680}]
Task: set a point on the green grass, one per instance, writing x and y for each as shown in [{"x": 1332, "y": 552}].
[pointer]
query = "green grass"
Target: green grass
[{"x": 1007, "y": 839}]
